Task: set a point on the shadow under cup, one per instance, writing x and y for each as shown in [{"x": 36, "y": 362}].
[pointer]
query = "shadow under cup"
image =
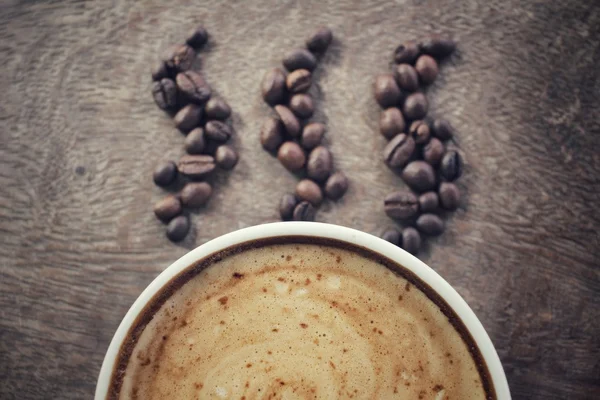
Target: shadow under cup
[{"x": 398, "y": 261}]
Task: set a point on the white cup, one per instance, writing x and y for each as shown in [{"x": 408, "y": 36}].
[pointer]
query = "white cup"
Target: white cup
[{"x": 317, "y": 230}]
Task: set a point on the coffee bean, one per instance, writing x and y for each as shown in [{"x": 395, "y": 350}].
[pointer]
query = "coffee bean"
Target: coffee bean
[
  {"x": 427, "y": 68},
  {"x": 273, "y": 86},
  {"x": 298, "y": 81},
  {"x": 442, "y": 129},
  {"x": 419, "y": 131},
  {"x": 336, "y": 186},
  {"x": 398, "y": 151},
  {"x": 217, "y": 108},
  {"x": 287, "y": 204},
  {"x": 167, "y": 208},
  {"x": 289, "y": 120},
  {"x": 319, "y": 40},
  {"x": 165, "y": 174},
  {"x": 438, "y": 46},
  {"x": 299, "y": 59},
  {"x": 195, "y": 194},
  {"x": 392, "y": 235},
  {"x": 387, "y": 92},
  {"x": 271, "y": 134},
  {"x": 406, "y": 77},
  {"x": 164, "y": 93},
  {"x": 415, "y": 106},
  {"x": 159, "y": 70},
  {"x": 430, "y": 224},
  {"x": 193, "y": 87},
  {"x": 308, "y": 190},
  {"x": 391, "y": 122},
  {"x": 178, "y": 228},
  {"x": 218, "y": 131},
  {"x": 320, "y": 164},
  {"x": 419, "y": 176},
  {"x": 188, "y": 117},
  {"x": 196, "y": 166},
  {"x": 195, "y": 143},
  {"x": 197, "y": 37},
  {"x": 292, "y": 156},
  {"x": 451, "y": 166},
  {"x": 302, "y": 105},
  {"x": 433, "y": 152},
  {"x": 429, "y": 202},
  {"x": 226, "y": 157},
  {"x": 406, "y": 52},
  {"x": 449, "y": 196},
  {"x": 304, "y": 211},
  {"x": 312, "y": 135},
  {"x": 179, "y": 58},
  {"x": 411, "y": 240},
  {"x": 401, "y": 205}
]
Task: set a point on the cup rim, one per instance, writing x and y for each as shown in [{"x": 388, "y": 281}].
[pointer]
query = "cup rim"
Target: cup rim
[{"x": 320, "y": 230}]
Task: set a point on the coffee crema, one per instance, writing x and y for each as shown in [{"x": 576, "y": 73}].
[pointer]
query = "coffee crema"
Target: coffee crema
[{"x": 292, "y": 319}]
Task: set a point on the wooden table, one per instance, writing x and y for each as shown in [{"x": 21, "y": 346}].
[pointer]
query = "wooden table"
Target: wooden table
[{"x": 80, "y": 136}]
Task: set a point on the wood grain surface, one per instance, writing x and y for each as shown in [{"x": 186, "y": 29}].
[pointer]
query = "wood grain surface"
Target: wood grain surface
[{"x": 80, "y": 136}]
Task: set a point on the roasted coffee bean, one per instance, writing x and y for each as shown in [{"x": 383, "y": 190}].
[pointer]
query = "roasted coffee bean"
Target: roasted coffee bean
[
  {"x": 271, "y": 134},
  {"x": 218, "y": 131},
  {"x": 165, "y": 174},
  {"x": 406, "y": 52},
  {"x": 428, "y": 202},
  {"x": 430, "y": 224},
  {"x": 319, "y": 40},
  {"x": 291, "y": 156},
  {"x": 193, "y": 87},
  {"x": 273, "y": 87},
  {"x": 178, "y": 228},
  {"x": 411, "y": 240},
  {"x": 196, "y": 166},
  {"x": 419, "y": 176},
  {"x": 415, "y": 106},
  {"x": 336, "y": 186},
  {"x": 427, "y": 68},
  {"x": 164, "y": 93},
  {"x": 167, "y": 208},
  {"x": 287, "y": 204},
  {"x": 398, "y": 151},
  {"x": 226, "y": 157},
  {"x": 299, "y": 59},
  {"x": 179, "y": 58},
  {"x": 449, "y": 196},
  {"x": 217, "y": 108},
  {"x": 302, "y": 105},
  {"x": 392, "y": 235},
  {"x": 289, "y": 120},
  {"x": 438, "y": 46},
  {"x": 308, "y": 190},
  {"x": 406, "y": 77},
  {"x": 419, "y": 131},
  {"x": 401, "y": 205},
  {"x": 433, "y": 152},
  {"x": 387, "y": 92},
  {"x": 195, "y": 194},
  {"x": 159, "y": 71},
  {"x": 304, "y": 211},
  {"x": 197, "y": 37},
  {"x": 442, "y": 129},
  {"x": 391, "y": 122},
  {"x": 298, "y": 81},
  {"x": 451, "y": 166},
  {"x": 320, "y": 164},
  {"x": 188, "y": 117},
  {"x": 312, "y": 135},
  {"x": 195, "y": 143}
]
